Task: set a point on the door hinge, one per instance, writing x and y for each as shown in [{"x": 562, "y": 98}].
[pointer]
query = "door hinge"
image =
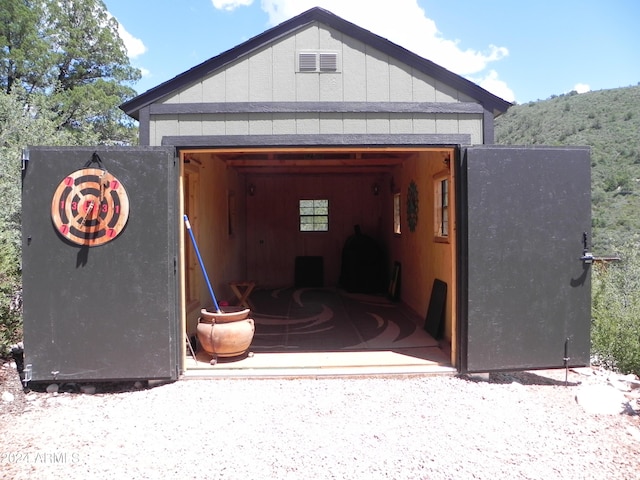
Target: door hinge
[{"x": 25, "y": 158}]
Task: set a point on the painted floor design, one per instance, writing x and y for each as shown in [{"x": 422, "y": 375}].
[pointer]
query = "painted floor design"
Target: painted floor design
[
  {"x": 324, "y": 319},
  {"x": 317, "y": 331}
]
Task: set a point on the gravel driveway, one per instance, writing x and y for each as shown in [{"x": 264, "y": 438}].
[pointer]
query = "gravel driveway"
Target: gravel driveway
[{"x": 517, "y": 426}]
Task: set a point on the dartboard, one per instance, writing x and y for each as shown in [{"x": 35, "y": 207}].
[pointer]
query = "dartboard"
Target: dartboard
[{"x": 90, "y": 207}]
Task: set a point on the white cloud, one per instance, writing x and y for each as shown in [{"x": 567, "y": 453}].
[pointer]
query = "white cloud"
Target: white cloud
[
  {"x": 582, "y": 88},
  {"x": 230, "y": 4},
  {"x": 498, "y": 87},
  {"x": 135, "y": 47},
  {"x": 403, "y": 22}
]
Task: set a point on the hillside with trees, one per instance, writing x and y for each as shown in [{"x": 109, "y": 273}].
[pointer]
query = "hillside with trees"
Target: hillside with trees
[{"x": 609, "y": 122}]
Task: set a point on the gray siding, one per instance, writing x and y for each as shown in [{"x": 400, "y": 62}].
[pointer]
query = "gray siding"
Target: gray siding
[{"x": 267, "y": 77}]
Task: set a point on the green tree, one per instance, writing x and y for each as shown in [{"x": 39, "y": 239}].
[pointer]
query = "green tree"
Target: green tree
[
  {"x": 92, "y": 69},
  {"x": 70, "y": 50},
  {"x": 25, "y": 54},
  {"x": 24, "y": 120}
]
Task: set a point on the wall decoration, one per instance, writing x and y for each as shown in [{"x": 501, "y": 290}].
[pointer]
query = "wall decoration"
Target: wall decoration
[
  {"x": 412, "y": 206},
  {"x": 90, "y": 207}
]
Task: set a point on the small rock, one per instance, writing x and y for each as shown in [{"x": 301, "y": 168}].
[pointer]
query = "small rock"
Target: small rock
[
  {"x": 632, "y": 381},
  {"x": 8, "y": 397},
  {"x": 88, "y": 389},
  {"x": 53, "y": 388},
  {"x": 69, "y": 388},
  {"x": 601, "y": 399}
]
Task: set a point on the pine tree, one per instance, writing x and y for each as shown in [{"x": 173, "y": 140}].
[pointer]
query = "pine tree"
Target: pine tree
[{"x": 70, "y": 50}]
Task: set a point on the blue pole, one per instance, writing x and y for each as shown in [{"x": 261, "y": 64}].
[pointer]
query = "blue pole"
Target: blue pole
[{"x": 204, "y": 270}]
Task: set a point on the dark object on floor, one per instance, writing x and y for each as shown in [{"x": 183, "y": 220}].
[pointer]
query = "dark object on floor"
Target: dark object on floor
[
  {"x": 394, "y": 282},
  {"x": 363, "y": 265},
  {"x": 309, "y": 272},
  {"x": 434, "y": 324}
]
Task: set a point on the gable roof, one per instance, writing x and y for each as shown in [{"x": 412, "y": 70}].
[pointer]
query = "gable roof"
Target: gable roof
[{"x": 490, "y": 102}]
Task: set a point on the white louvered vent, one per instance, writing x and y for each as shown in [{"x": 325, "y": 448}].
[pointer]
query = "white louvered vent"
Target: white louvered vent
[
  {"x": 310, "y": 61},
  {"x": 328, "y": 62}
]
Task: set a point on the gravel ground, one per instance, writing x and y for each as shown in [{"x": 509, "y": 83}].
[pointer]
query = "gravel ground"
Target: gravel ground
[{"x": 509, "y": 426}]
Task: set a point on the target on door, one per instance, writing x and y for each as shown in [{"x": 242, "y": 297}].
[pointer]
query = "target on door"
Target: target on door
[{"x": 90, "y": 207}]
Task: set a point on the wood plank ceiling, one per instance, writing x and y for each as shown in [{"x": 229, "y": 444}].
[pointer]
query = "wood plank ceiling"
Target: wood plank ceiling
[{"x": 309, "y": 160}]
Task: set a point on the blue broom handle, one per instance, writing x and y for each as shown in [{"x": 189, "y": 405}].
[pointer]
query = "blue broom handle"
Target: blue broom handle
[{"x": 204, "y": 270}]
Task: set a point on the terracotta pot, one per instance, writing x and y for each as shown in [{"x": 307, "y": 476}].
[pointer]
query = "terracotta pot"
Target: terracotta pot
[
  {"x": 228, "y": 314},
  {"x": 226, "y": 339}
]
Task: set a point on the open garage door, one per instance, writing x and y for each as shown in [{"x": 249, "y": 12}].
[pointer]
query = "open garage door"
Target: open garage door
[{"x": 525, "y": 223}]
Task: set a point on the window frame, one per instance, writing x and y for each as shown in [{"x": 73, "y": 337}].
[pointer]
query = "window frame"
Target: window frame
[
  {"x": 442, "y": 206},
  {"x": 320, "y": 210},
  {"x": 397, "y": 213}
]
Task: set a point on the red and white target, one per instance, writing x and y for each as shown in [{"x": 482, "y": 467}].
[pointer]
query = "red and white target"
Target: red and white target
[{"x": 90, "y": 207}]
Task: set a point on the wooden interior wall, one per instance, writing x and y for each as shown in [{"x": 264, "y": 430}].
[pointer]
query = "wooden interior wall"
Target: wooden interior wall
[
  {"x": 273, "y": 236},
  {"x": 219, "y": 228},
  {"x": 422, "y": 258}
]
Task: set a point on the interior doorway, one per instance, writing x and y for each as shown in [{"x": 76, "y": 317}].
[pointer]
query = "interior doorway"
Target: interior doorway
[{"x": 249, "y": 209}]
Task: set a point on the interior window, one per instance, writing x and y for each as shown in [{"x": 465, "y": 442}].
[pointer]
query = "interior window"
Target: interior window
[
  {"x": 441, "y": 202},
  {"x": 314, "y": 215},
  {"x": 396, "y": 213}
]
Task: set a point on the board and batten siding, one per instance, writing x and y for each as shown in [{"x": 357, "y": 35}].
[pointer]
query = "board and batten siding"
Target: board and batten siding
[{"x": 264, "y": 94}]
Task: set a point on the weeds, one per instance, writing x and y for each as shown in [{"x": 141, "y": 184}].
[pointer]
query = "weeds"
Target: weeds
[{"x": 615, "y": 328}]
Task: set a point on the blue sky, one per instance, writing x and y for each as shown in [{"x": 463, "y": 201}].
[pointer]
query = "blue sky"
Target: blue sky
[{"x": 519, "y": 50}]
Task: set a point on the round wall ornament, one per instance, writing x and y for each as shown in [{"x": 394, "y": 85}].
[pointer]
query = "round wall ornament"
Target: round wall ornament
[
  {"x": 412, "y": 206},
  {"x": 90, "y": 207}
]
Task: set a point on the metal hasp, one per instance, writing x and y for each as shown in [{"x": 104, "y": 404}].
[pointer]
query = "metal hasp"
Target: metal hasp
[
  {"x": 110, "y": 311},
  {"x": 587, "y": 257},
  {"x": 524, "y": 276}
]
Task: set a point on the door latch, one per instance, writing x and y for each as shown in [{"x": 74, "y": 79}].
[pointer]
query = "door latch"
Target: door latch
[{"x": 588, "y": 258}]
